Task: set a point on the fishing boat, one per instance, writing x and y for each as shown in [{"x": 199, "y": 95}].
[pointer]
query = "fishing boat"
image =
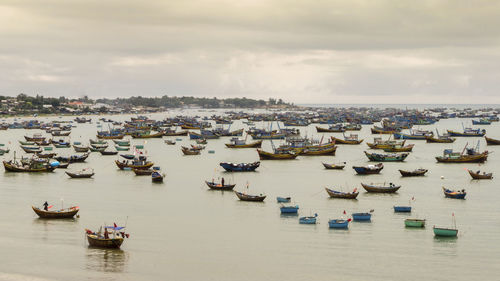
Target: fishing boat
[
  {"x": 85, "y": 173},
  {"x": 264, "y": 135},
  {"x": 472, "y": 156},
  {"x": 399, "y": 148},
  {"x": 334, "y": 166},
  {"x": 32, "y": 165},
  {"x": 253, "y": 198},
  {"x": 128, "y": 156},
  {"x": 122, "y": 142},
  {"x": 29, "y": 143},
  {"x": 289, "y": 209},
  {"x": 337, "y": 128},
  {"x": 239, "y": 143},
  {"x": 170, "y": 142},
  {"x": 35, "y": 137},
  {"x": 45, "y": 155},
  {"x": 440, "y": 139},
  {"x": 468, "y": 132},
  {"x": 91, "y": 141},
  {"x": 73, "y": 158},
  {"x": 308, "y": 220},
  {"x": 283, "y": 199},
  {"x": 81, "y": 148},
  {"x": 321, "y": 149},
  {"x": 454, "y": 194},
  {"x": 369, "y": 169},
  {"x": 391, "y": 188},
  {"x": 107, "y": 239},
  {"x": 351, "y": 139},
  {"x": 140, "y": 162},
  {"x": 241, "y": 167},
  {"x": 146, "y": 135},
  {"x": 415, "y": 222},
  {"x": 380, "y": 130},
  {"x": 378, "y": 143},
  {"x": 157, "y": 176},
  {"x": 444, "y": 232},
  {"x": 56, "y": 214},
  {"x": 339, "y": 223},
  {"x": 490, "y": 141},
  {"x": 482, "y": 121},
  {"x": 343, "y": 195},
  {"x": 394, "y": 157},
  {"x": 478, "y": 176},
  {"x": 122, "y": 148},
  {"x": 219, "y": 186},
  {"x": 97, "y": 149},
  {"x": 201, "y": 141},
  {"x": 402, "y": 209},
  {"x": 414, "y": 173},
  {"x": 205, "y": 134},
  {"x": 31, "y": 149},
  {"x": 173, "y": 133},
  {"x": 143, "y": 172},
  {"x": 108, "y": 152},
  {"x": 277, "y": 155},
  {"x": 362, "y": 217},
  {"x": 190, "y": 151},
  {"x": 414, "y": 135}
]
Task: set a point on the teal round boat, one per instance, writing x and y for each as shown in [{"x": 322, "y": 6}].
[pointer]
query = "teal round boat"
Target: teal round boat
[
  {"x": 445, "y": 232},
  {"x": 415, "y": 222}
]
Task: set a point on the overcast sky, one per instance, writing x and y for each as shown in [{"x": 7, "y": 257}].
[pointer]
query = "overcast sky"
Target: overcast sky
[{"x": 302, "y": 51}]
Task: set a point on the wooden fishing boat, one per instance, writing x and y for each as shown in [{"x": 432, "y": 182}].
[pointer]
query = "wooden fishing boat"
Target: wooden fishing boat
[
  {"x": 325, "y": 149},
  {"x": 138, "y": 163},
  {"x": 190, "y": 151},
  {"x": 333, "y": 166},
  {"x": 381, "y": 188},
  {"x": 59, "y": 133},
  {"x": 387, "y": 131},
  {"x": 218, "y": 186},
  {"x": 29, "y": 143},
  {"x": 490, "y": 141},
  {"x": 97, "y": 141},
  {"x": 201, "y": 141},
  {"x": 34, "y": 166},
  {"x": 203, "y": 135},
  {"x": 241, "y": 167},
  {"x": 81, "y": 148},
  {"x": 107, "y": 152},
  {"x": 444, "y": 232},
  {"x": 73, "y": 158},
  {"x": 289, "y": 209},
  {"x": 138, "y": 135},
  {"x": 414, "y": 173},
  {"x": 35, "y": 137},
  {"x": 455, "y": 194},
  {"x": 468, "y": 132},
  {"x": 100, "y": 240},
  {"x": 478, "y": 176},
  {"x": 31, "y": 149},
  {"x": 263, "y": 155},
  {"x": 440, "y": 139},
  {"x": 456, "y": 157},
  {"x": 122, "y": 142},
  {"x": 62, "y": 166},
  {"x": 415, "y": 222},
  {"x": 482, "y": 121},
  {"x": 369, "y": 169},
  {"x": 156, "y": 176},
  {"x": 111, "y": 137},
  {"x": 331, "y": 129},
  {"x": 377, "y": 157},
  {"x": 45, "y": 155},
  {"x": 128, "y": 156},
  {"x": 143, "y": 172},
  {"x": 56, "y": 214},
  {"x": 378, "y": 143},
  {"x": 342, "y": 195},
  {"x": 267, "y": 136},
  {"x": 170, "y": 142},
  {"x": 352, "y": 139},
  {"x": 83, "y": 174},
  {"x": 97, "y": 149},
  {"x": 398, "y": 148},
  {"x": 252, "y": 198},
  {"x": 242, "y": 144},
  {"x": 122, "y": 148},
  {"x": 414, "y": 135},
  {"x": 173, "y": 133},
  {"x": 338, "y": 224}
]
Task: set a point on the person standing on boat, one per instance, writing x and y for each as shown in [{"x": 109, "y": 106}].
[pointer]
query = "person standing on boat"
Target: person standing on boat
[
  {"x": 222, "y": 182},
  {"x": 46, "y": 206}
]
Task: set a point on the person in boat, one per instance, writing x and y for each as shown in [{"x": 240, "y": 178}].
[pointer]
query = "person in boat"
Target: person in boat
[
  {"x": 391, "y": 184},
  {"x": 222, "y": 182},
  {"x": 478, "y": 172},
  {"x": 46, "y": 206}
]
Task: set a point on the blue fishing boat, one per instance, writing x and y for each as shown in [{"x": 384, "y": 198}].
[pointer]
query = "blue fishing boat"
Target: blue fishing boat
[
  {"x": 339, "y": 224},
  {"x": 283, "y": 199},
  {"x": 369, "y": 169},
  {"x": 289, "y": 209},
  {"x": 468, "y": 132},
  {"x": 361, "y": 217},
  {"x": 459, "y": 194},
  {"x": 482, "y": 121},
  {"x": 402, "y": 209},
  {"x": 308, "y": 220}
]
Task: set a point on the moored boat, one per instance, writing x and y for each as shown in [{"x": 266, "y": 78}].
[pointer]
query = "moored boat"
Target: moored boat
[
  {"x": 104, "y": 240},
  {"x": 343, "y": 195},
  {"x": 339, "y": 223},
  {"x": 219, "y": 186},
  {"x": 289, "y": 209},
  {"x": 478, "y": 176},
  {"x": 240, "y": 167},
  {"x": 402, "y": 209},
  {"x": 414, "y": 222},
  {"x": 333, "y": 166},
  {"x": 379, "y": 157},
  {"x": 455, "y": 194},
  {"x": 369, "y": 169},
  {"x": 247, "y": 197},
  {"x": 56, "y": 214},
  {"x": 391, "y": 188},
  {"x": 85, "y": 173},
  {"x": 490, "y": 141},
  {"x": 362, "y": 217},
  {"x": 308, "y": 220},
  {"x": 414, "y": 173},
  {"x": 263, "y": 155}
]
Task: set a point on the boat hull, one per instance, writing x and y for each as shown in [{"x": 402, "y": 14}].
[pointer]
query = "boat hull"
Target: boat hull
[{"x": 112, "y": 243}]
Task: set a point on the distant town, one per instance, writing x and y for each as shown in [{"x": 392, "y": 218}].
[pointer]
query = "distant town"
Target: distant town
[{"x": 23, "y": 104}]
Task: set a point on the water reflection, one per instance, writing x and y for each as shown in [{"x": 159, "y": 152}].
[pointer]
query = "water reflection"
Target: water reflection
[{"x": 106, "y": 260}]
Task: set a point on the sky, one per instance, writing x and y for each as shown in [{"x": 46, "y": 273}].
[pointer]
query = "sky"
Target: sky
[{"x": 301, "y": 51}]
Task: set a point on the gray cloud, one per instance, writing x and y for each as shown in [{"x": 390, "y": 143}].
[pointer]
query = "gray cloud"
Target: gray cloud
[{"x": 328, "y": 51}]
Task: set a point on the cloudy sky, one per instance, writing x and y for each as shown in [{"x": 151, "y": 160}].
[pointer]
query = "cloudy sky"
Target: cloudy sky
[{"x": 302, "y": 51}]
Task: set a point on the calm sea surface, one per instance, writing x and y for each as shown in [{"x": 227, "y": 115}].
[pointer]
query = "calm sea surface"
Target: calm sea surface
[{"x": 180, "y": 230}]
